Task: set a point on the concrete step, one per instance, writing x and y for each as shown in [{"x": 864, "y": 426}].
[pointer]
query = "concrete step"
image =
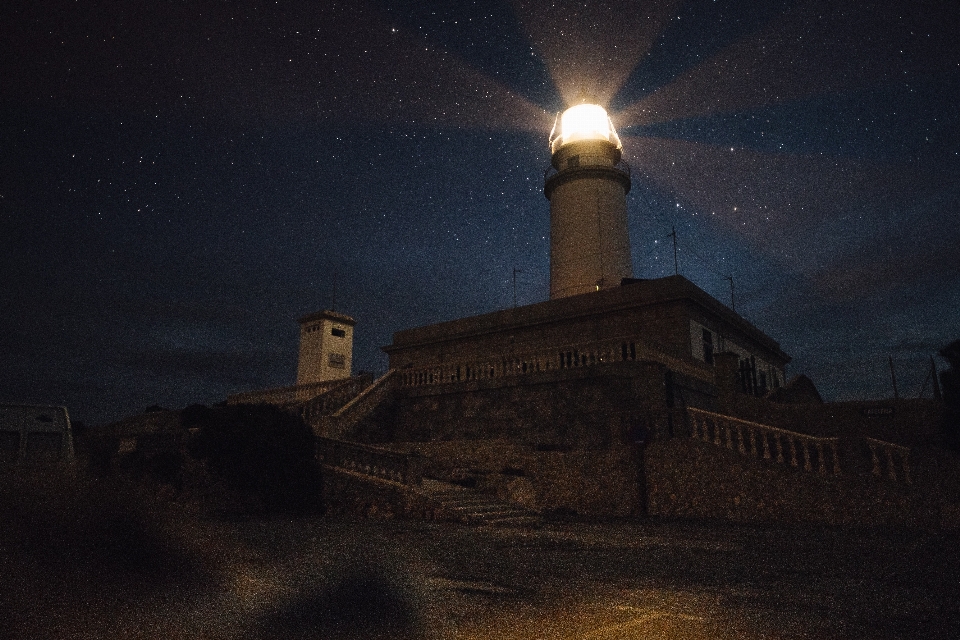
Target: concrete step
[
  {"x": 467, "y": 505},
  {"x": 476, "y": 502},
  {"x": 483, "y": 507},
  {"x": 514, "y": 521}
]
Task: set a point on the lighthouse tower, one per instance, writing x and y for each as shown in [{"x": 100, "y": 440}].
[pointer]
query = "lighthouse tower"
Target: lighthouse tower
[{"x": 587, "y": 185}]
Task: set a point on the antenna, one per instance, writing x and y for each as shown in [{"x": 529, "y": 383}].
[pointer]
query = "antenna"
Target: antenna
[
  {"x": 676, "y": 264},
  {"x": 333, "y": 306},
  {"x": 931, "y": 375},
  {"x": 733, "y": 302},
  {"x": 515, "y": 272},
  {"x": 893, "y": 377}
]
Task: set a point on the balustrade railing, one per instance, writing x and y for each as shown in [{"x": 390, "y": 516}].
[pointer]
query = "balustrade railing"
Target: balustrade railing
[
  {"x": 371, "y": 461},
  {"x": 890, "y": 460},
  {"x": 561, "y": 356},
  {"x": 340, "y": 422},
  {"x": 285, "y": 395},
  {"x": 763, "y": 441},
  {"x": 585, "y": 161}
]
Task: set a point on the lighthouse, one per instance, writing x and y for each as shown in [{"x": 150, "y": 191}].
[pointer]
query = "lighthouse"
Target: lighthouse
[{"x": 587, "y": 184}]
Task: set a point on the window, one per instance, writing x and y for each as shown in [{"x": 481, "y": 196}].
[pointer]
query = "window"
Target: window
[
  {"x": 340, "y": 333},
  {"x": 337, "y": 360},
  {"x": 707, "y": 346}
]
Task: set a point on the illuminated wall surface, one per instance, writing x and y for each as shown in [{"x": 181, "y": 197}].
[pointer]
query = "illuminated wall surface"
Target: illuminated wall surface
[{"x": 326, "y": 347}]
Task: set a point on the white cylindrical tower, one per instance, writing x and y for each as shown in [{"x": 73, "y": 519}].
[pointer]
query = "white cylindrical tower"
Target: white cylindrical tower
[{"x": 587, "y": 186}]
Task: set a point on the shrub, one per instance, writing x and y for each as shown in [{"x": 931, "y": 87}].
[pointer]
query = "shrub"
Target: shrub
[{"x": 260, "y": 450}]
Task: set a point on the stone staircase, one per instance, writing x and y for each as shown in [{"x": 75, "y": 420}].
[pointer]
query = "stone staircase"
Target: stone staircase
[
  {"x": 472, "y": 507},
  {"x": 339, "y": 423},
  {"x": 371, "y": 470}
]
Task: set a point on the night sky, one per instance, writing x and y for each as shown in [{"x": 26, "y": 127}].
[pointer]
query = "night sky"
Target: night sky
[{"x": 180, "y": 181}]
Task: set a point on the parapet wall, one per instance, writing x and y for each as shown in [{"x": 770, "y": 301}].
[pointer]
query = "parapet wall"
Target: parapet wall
[
  {"x": 586, "y": 409},
  {"x": 590, "y": 483},
  {"x": 689, "y": 478}
]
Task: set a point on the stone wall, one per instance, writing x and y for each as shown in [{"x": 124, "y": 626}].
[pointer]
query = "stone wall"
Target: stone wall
[
  {"x": 687, "y": 478},
  {"x": 563, "y": 410},
  {"x": 600, "y": 483},
  {"x": 348, "y": 492},
  {"x": 653, "y": 313}
]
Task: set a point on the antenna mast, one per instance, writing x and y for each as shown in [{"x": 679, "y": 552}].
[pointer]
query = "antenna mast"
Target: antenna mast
[
  {"x": 676, "y": 263},
  {"x": 333, "y": 306},
  {"x": 515, "y": 272}
]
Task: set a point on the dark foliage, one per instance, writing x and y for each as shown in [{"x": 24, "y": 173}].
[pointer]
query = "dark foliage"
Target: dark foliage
[
  {"x": 950, "y": 383},
  {"x": 260, "y": 450}
]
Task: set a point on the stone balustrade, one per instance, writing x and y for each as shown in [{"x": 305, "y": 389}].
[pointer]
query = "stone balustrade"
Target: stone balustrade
[
  {"x": 285, "y": 395},
  {"x": 372, "y": 461},
  {"x": 564, "y": 356},
  {"x": 890, "y": 460},
  {"x": 763, "y": 441},
  {"x": 351, "y": 413}
]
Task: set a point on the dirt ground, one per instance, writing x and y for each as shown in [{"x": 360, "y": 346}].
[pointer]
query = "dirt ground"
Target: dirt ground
[{"x": 97, "y": 568}]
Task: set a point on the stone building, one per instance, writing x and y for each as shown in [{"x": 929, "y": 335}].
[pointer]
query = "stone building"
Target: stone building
[
  {"x": 604, "y": 345},
  {"x": 649, "y": 344},
  {"x": 617, "y": 396},
  {"x": 560, "y": 393}
]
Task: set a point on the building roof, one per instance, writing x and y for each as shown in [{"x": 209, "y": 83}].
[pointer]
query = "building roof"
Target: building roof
[
  {"x": 327, "y": 315},
  {"x": 34, "y": 417},
  {"x": 631, "y": 295}
]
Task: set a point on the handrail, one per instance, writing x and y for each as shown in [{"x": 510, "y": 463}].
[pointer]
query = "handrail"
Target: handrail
[
  {"x": 765, "y": 441},
  {"x": 339, "y": 422},
  {"x": 284, "y": 395},
  {"x": 560, "y": 356},
  {"x": 622, "y": 166},
  {"x": 886, "y": 459},
  {"x": 380, "y": 384},
  {"x": 371, "y": 461}
]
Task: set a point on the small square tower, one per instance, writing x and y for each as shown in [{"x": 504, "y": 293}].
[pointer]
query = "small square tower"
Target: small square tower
[{"x": 326, "y": 347}]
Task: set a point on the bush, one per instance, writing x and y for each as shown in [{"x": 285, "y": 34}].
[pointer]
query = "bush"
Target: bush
[{"x": 259, "y": 450}]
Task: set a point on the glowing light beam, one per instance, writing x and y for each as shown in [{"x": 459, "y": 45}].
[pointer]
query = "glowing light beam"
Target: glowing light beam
[
  {"x": 814, "y": 48},
  {"x": 378, "y": 72},
  {"x": 591, "y": 48},
  {"x": 799, "y": 210},
  {"x": 337, "y": 62}
]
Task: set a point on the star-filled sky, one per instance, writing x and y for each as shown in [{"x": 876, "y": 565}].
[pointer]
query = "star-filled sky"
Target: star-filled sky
[{"x": 180, "y": 181}]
